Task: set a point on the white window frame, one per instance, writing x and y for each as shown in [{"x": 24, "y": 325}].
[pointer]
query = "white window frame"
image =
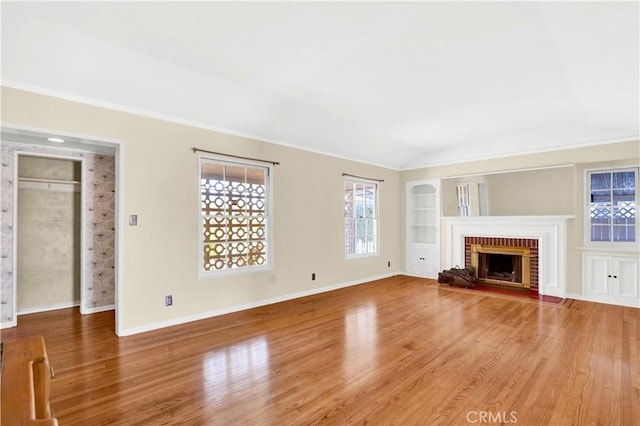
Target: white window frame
[
  {"x": 232, "y": 161},
  {"x": 463, "y": 193},
  {"x": 608, "y": 245},
  {"x": 377, "y": 217}
]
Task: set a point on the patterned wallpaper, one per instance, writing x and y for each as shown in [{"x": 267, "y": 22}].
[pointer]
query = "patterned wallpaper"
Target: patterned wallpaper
[{"x": 99, "y": 187}]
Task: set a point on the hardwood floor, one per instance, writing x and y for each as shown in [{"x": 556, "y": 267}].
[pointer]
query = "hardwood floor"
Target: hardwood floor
[{"x": 395, "y": 351}]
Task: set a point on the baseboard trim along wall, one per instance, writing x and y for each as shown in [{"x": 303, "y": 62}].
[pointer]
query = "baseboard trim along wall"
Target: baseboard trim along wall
[
  {"x": 49, "y": 308},
  {"x": 595, "y": 300},
  {"x": 96, "y": 309},
  {"x": 9, "y": 324},
  {"x": 243, "y": 307}
]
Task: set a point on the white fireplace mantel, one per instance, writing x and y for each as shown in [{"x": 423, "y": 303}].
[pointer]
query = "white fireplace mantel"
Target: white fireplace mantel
[{"x": 550, "y": 231}]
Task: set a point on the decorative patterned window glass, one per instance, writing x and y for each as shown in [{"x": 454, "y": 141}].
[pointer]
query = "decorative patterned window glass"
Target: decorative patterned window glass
[
  {"x": 612, "y": 205},
  {"x": 234, "y": 216},
  {"x": 360, "y": 217}
]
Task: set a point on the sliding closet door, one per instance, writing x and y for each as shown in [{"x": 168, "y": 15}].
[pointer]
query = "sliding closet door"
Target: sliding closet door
[{"x": 49, "y": 220}]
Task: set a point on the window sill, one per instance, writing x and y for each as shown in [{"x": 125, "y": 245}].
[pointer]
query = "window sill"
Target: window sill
[
  {"x": 360, "y": 256},
  {"x": 228, "y": 273}
]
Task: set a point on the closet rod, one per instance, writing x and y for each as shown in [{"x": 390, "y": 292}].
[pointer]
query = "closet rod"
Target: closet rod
[
  {"x": 362, "y": 177},
  {"x": 275, "y": 163}
]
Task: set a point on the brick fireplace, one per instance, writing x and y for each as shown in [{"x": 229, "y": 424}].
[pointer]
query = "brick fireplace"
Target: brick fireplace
[
  {"x": 544, "y": 236},
  {"x": 524, "y": 252}
]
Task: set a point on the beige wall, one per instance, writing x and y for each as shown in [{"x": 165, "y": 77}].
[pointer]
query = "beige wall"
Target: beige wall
[
  {"x": 160, "y": 186},
  {"x": 555, "y": 191},
  {"x": 533, "y": 192}
]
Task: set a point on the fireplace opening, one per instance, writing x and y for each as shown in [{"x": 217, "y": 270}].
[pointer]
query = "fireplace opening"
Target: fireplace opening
[{"x": 502, "y": 265}]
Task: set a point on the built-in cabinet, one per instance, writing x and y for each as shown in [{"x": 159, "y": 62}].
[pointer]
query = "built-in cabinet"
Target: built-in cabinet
[
  {"x": 423, "y": 228},
  {"x": 611, "y": 278}
]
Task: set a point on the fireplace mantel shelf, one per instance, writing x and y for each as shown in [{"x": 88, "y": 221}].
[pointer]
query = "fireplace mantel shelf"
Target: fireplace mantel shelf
[{"x": 499, "y": 218}]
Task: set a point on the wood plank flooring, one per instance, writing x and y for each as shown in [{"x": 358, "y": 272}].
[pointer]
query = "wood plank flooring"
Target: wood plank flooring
[{"x": 395, "y": 351}]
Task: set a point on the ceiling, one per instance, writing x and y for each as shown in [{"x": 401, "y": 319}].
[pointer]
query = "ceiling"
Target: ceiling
[{"x": 401, "y": 85}]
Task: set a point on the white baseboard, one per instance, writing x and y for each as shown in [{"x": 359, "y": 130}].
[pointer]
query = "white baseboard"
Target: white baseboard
[
  {"x": 49, "y": 308},
  {"x": 595, "y": 300},
  {"x": 8, "y": 324},
  {"x": 14, "y": 323},
  {"x": 96, "y": 309},
  {"x": 410, "y": 274},
  {"x": 245, "y": 306}
]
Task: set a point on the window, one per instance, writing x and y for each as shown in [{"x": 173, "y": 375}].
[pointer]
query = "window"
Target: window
[
  {"x": 360, "y": 217},
  {"x": 462, "y": 190},
  {"x": 612, "y": 206},
  {"x": 234, "y": 217}
]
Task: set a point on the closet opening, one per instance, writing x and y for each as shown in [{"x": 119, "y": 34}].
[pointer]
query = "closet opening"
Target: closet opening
[
  {"x": 59, "y": 215},
  {"x": 49, "y": 231}
]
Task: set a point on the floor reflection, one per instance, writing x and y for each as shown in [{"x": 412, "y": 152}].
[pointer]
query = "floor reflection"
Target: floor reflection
[
  {"x": 243, "y": 366},
  {"x": 361, "y": 342}
]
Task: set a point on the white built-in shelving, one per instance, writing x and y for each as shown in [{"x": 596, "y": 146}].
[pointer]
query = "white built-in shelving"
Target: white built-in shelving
[{"x": 423, "y": 228}]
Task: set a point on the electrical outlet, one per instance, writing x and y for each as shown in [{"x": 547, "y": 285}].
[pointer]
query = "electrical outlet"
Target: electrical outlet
[
  {"x": 133, "y": 220},
  {"x": 389, "y": 264},
  {"x": 168, "y": 300},
  {"x": 313, "y": 276}
]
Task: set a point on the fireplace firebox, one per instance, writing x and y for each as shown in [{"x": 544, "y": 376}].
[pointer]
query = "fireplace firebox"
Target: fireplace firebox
[{"x": 502, "y": 265}]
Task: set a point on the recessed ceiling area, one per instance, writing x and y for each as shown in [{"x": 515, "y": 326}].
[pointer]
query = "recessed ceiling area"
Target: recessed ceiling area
[{"x": 397, "y": 84}]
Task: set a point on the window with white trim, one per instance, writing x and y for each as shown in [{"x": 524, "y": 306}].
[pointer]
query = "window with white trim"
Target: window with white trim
[
  {"x": 462, "y": 189},
  {"x": 360, "y": 217},
  {"x": 612, "y": 200},
  {"x": 234, "y": 216}
]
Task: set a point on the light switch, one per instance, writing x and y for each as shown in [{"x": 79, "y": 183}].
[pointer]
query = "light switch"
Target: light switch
[{"x": 133, "y": 220}]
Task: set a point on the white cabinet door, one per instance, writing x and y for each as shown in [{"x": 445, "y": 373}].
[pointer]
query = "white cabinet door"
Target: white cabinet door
[
  {"x": 597, "y": 276},
  {"x": 612, "y": 279},
  {"x": 416, "y": 260},
  {"x": 424, "y": 260},
  {"x": 626, "y": 278},
  {"x": 432, "y": 262}
]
